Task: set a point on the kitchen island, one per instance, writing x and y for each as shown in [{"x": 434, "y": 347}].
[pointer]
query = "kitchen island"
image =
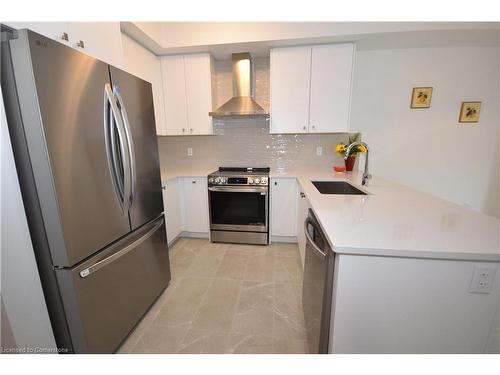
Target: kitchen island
[{"x": 406, "y": 267}]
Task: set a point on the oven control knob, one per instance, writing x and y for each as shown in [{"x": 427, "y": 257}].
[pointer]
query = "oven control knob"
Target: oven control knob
[
  {"x": 224, "y": 180},
  {"x": 250, "y": 181},
  {"x": 211, "y": 180},
  {"x": 257, "y": 181},
  {"x": 263, "y": 181},
  {"x": 218, "y": 180}
]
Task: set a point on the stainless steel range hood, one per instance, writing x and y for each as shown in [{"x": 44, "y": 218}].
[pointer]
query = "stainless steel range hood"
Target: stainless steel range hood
[{"x": 242, "y": 103}]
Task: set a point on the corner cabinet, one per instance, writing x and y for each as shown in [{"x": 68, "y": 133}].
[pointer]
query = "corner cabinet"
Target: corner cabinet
[
  {"x": 311, "y": 88},
  {"x": 195, "y": 204},
  {"x": 101, "y": 40},
  {"x": 187, "y": 90}
]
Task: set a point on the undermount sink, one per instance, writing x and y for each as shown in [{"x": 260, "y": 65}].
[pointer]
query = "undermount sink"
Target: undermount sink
[{"x": 337, "y": 187}]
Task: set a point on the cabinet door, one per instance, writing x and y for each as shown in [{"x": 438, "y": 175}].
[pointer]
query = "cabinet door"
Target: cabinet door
[
  {"x": 290, "y": 81},
  {"x": 198, "y": 93},
  {"x": 53, "y": 30},
  {"x": 101, "y": 40},
  {"x": 173, "y": 209},
  {"x": 174, "y": 91},
  {"x": 283, "y": 207},
  {"x": 195, "y": 193},
  {"x": 141, "y": 62},
  {"x": 331, "y": 73},
  {"x": 302, "y": 213}
]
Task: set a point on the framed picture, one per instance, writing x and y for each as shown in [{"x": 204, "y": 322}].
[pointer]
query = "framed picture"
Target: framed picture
[
  {"x": 469, "y": 112},
  {"x": 421, "y": 97}
]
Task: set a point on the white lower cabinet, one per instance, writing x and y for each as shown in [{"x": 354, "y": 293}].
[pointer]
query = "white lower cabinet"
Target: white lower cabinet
[
  {"x": 303, "y": 207},
  {"x": 283, "y": 207},
  {"x": 185, "y": 200},
  {"x": 172, "y": 204},
  {"x": 195, "y": 204}
]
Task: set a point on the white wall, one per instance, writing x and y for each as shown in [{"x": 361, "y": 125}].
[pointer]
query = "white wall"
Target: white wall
[
  {"x": 20, "y": 283},
  {"x": 427, "y": 148}
]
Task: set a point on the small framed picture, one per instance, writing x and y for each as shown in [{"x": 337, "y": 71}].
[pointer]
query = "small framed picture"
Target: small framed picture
[
  {"x": 469, "y": 112},
  {"x": 421, "y": 97}
]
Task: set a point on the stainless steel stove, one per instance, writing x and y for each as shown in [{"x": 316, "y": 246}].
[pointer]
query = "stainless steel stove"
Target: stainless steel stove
[{"x": 239, "y": 205}]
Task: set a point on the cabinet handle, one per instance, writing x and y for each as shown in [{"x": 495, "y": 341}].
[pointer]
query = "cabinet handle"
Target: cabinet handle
[
  {"x": 64, "y": 36},
  {"x": 314, "y": 127},
  {"x": 183, "y": 130},
  {"x": 80, "y": 44},
  {"x": 275, "y": 183},
  {"x": 191, "y": 130},
  {"x": 304, "y": 127},
  {"x": 193, "y": 182}
]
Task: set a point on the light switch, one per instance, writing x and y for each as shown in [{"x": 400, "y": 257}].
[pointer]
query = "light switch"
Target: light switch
[
  {"x": 319, "y": 151},
  {"x": 190, "y": 151}
]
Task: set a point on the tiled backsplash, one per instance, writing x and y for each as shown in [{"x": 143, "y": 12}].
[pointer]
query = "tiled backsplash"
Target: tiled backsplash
[{"x": 247, "y": 142}]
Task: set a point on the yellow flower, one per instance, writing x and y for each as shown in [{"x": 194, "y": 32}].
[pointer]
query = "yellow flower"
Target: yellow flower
[
  {"x": 340, "y": 148},
  {"x": 361, "y": 148}
]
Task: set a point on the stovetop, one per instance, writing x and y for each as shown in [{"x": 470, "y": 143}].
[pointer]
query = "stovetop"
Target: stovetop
[{"x": 239, "y": 176}]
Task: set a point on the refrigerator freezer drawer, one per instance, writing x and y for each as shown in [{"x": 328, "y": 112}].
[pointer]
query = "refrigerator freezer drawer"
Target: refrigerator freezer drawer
[{"x": 106, "y": 296}]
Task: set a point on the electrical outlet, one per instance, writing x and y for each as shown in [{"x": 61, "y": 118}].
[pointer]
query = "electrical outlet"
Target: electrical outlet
[
  {"x": 190, "y": 151},
  {"x": 319, "y": 151},
  {"x": 482, "y": 280}
]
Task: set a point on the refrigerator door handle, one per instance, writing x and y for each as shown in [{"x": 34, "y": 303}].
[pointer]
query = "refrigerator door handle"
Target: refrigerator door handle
[
  {"x": 130, "y": 144},
  {"x": 111, "y": 122},
  {"x": 104, "y": 262}
]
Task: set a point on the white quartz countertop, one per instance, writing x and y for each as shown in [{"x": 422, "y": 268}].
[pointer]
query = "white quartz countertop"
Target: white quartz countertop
[{"x": 392, "y": 220}]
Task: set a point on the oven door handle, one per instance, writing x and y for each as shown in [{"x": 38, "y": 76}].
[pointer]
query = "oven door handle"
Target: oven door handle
[{"x": 262, "y": 190}]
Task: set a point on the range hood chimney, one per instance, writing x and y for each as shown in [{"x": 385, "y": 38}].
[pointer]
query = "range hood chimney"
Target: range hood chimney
[{"x": 242, "y": 103}]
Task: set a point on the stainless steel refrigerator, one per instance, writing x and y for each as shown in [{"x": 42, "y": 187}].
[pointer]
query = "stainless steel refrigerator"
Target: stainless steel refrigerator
[{"x": 84, "y": 139}]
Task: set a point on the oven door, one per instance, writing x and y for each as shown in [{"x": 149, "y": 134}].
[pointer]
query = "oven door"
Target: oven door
[{"x": 239, "y": 208}]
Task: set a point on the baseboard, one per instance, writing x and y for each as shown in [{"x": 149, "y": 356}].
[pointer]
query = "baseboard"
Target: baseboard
[
  {"x": 194, "y": 235},
  {"x": 287, "y": 239}
]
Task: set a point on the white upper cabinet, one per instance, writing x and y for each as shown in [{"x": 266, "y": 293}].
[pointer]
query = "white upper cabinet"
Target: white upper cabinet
[
  {"x": 98, "y": 39},
  {"x": 331, "y": 73},
  {"x": 311, "y": 88},
  {"x": 197, "y": 69},
  {"x": 187, "y": 86},
  {"x": 101, "y": 40},
  {"x": 290, "y": 86},
  {"x": 140, "y": 62}
]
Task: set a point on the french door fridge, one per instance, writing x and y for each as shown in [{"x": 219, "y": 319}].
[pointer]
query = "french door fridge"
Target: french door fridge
[{"x": 84, "y": 138}]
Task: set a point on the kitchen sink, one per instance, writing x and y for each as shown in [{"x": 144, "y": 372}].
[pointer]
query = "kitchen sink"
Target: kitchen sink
[{"x": 337, "y": 187}]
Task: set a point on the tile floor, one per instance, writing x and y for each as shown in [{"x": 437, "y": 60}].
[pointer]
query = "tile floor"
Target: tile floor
[{"x": 226, "y": 298}]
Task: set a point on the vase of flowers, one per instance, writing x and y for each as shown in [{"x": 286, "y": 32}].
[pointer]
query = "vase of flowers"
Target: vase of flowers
[{"x": 341, "y": 149}]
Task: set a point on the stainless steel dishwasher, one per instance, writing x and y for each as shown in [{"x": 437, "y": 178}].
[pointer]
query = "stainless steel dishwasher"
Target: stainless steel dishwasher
[{"x": 317, "y": 286}]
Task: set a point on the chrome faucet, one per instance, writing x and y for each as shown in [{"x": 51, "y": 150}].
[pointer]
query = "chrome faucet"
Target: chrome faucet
[{"x": 366, "y": 175}]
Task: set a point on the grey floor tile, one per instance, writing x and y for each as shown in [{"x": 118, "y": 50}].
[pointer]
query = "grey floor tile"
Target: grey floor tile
[
  {"x": 287, "y": 269},
  {"x": 204, "y": 342},
  {"x": 254, "y": 312},
  {"x": 284, "y": 249},
  {"x": 183, "y": 302},
  {"x": 160, "y": 339},
  {"x": 232, "y": 266},
  {"x": 218, "y": 306},
  {"x": 260, "y": 268},
  {"x": 250, "y": 344},
  {"x": 226, "y": 298}
]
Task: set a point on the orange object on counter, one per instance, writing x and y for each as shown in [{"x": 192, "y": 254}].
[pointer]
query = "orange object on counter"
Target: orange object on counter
[{"x": 339, "y": 168}]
